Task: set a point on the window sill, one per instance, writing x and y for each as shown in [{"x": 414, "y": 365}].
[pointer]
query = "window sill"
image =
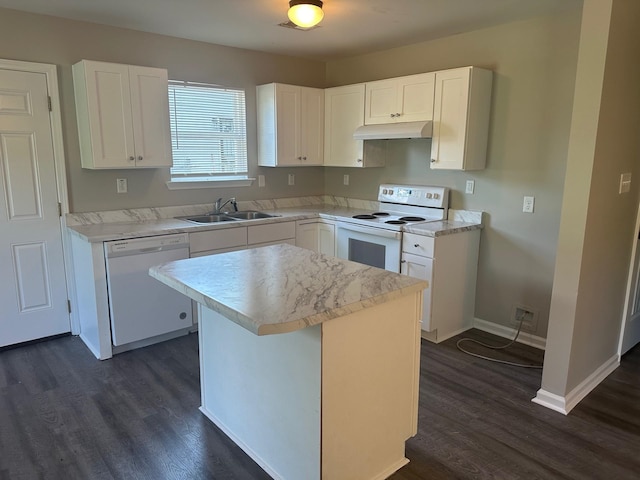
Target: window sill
[{"x": 209, "y": 182}]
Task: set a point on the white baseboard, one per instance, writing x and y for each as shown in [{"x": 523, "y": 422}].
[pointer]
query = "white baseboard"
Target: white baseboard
[
  {"x": 565, "y": 404},
  {"x": 508, "y": 332}
]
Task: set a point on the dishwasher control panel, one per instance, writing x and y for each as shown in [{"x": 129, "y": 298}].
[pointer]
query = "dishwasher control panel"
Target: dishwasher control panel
[{"x": 162, "y": 242}]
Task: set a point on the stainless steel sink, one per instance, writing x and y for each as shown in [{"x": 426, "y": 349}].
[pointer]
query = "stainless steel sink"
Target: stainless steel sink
[
  {"x": 226, "y": 217},
  {"x": 207, "y": 218},
  {"x": 249, "y": 215}
]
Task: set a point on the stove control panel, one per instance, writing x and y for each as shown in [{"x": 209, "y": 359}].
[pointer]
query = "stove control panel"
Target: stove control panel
[{"x": 419, "y": 195}]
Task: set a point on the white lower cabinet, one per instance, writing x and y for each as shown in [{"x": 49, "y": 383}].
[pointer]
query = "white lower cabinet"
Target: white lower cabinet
[
  {"x": 450, "y": 264},
  {"x": 317, "y": 235}
]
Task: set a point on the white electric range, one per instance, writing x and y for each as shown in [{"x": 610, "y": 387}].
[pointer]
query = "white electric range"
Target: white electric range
[{"x": 376, "y": 238}]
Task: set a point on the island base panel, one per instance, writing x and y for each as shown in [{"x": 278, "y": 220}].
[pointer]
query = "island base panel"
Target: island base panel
[
  {"x": 370, "y": 373},
  {"x": 264, "y": 393}
]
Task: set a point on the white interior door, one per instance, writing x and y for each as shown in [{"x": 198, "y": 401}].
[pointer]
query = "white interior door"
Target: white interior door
[
  {"x": 631, "y": 327},
  {"x": 33, "y": 294}
]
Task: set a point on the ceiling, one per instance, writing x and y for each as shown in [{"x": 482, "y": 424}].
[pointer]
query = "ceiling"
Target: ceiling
[{"x": 349, "y": 27}]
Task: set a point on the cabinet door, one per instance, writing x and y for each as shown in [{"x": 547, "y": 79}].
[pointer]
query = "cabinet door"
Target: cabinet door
[
  {"x": 311, "y": 126},
  {"x": 422, "y": 268},
  {"x": 288, "y": 106},
  {"x": 307, "y": 235},
  {"x": 344, "y": 112},
  {"x": 108, "y": 111},
  {"x": 415, "y": 97},
  {"x": 150, "y": 116},
  {"x": 381, "y": 101},
  {"x": 450, "y": 119},
  {"x": 327, "y": 239}
]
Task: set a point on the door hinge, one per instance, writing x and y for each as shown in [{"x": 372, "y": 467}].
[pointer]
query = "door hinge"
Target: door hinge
[
  {"x": 68, "y": 305},
  {"x": 49, "y": 103},
  {"x": 59, "y": 209}
]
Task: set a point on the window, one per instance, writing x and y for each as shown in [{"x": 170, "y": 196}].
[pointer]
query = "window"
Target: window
[{"x": 208, "y": 132}]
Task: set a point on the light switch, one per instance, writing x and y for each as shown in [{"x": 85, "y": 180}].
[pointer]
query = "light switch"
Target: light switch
[
  {"x": 471, "y": 185},
  {"x": 345, "y": 179},
  {"x": 292, "y": 179},
  {"x": 625, "y": 183},
  {"x": 527, "y": 205},
  {"x": 260, "y": 180}
]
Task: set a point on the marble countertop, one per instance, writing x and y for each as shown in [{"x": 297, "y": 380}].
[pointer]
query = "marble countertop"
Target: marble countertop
[
  {"x": 443, "y": 227},
  {"x": 282, "y": 288},
  {"x": 103, "y": 231}
]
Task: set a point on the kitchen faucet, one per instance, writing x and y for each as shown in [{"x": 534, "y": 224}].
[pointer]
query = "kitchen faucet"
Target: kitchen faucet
[{"x": 219, "y": 205}]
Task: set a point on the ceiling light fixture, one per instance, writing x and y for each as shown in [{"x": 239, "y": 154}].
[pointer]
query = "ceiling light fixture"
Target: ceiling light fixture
[{"x": 305, "y": 13}]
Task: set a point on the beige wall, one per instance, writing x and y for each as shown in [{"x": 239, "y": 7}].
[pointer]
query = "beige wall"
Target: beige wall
[
  {"x": 597, "y": 228},
  {"x": 534, "y": 63},
  {"x": 37, "y": 38}
]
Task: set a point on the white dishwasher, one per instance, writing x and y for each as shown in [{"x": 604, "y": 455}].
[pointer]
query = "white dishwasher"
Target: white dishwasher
[{"x": 140, "y": 306}]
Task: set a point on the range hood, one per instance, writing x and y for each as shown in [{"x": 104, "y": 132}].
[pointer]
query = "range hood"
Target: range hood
[{"x": 394, "y": 130}]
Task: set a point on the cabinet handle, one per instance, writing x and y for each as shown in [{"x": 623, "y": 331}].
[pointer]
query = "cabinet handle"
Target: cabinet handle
[
  {"x": 139, "y": 157},
  {"x": 359, "y": 160},
  {"x": 416, "y": 245},
  {"x": 403, "y": 261},
  {"x": 304, "y": 158},
  {"x": 433, "y": 160},
  {"x": 132, "y": 158},
  {"x": 299, "y": 158}
]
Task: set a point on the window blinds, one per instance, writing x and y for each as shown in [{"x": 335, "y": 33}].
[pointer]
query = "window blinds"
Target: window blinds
[{"x": 208, "y": 130}]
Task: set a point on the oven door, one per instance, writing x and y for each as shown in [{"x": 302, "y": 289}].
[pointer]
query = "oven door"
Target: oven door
[{"x": 372, "y": 246}]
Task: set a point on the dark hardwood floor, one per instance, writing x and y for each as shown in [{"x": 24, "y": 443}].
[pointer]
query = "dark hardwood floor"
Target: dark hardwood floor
[{"x": 66, "y": 415}]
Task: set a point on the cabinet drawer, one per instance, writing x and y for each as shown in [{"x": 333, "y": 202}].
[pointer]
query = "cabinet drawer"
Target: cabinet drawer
[
  {"x": 271, "y": 232},
  {"x": 418, "y": 244},
  {"x": 217, "y": 239}
]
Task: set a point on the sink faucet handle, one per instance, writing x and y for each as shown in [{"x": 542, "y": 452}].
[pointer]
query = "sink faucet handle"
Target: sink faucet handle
[{"x": 234, "y": 203}]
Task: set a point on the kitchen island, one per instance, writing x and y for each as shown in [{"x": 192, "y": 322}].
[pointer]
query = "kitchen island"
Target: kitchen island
[{"x": 309, "y": 363}]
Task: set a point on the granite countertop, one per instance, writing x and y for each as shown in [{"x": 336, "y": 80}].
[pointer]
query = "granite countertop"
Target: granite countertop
[
  {"x": 132, "y": 224},
  {"x": 108, "y": 231},
  {"x": 443, "y": 227},
  {"x": 282, "y": 288}
]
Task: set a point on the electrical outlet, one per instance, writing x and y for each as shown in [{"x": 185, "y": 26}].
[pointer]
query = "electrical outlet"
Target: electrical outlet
[
  {"x": 470, "y": 187},
  {"x": 528, "y": 316},
  {"x": 528, "y": 204},
  {"x": 260, "y": 180},
  {"x": 292, "y": 179},
  {"x": 121, "y": 185},
  {"x": 345, "y": 179}
]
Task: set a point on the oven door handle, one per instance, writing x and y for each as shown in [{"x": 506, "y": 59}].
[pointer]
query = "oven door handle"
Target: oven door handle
[{"x": 380, "y": 232}]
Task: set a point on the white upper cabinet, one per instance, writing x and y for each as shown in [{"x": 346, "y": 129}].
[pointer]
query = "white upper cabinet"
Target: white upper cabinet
[
  {"x": 401, "y": 99},
  {"x": 344, "y": 112},
  {"x": 123, "y": 115},
  {"x": 461, "y": 119},
  {"x": 290, "y": 125}
]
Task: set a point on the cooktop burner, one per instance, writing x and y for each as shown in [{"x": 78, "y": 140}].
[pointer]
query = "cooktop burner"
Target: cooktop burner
[{"x": 400, "y": 206}]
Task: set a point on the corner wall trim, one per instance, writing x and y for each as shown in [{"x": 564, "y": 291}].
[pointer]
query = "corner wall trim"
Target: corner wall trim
[
  {"x": 565, "y": 404},
  {"x": 508, "y": 332}
]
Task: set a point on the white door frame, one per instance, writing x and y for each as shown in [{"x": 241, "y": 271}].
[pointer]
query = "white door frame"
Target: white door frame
[
  {"x": 631, "y": 284},
  {"x": 51, "y": 74}
]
